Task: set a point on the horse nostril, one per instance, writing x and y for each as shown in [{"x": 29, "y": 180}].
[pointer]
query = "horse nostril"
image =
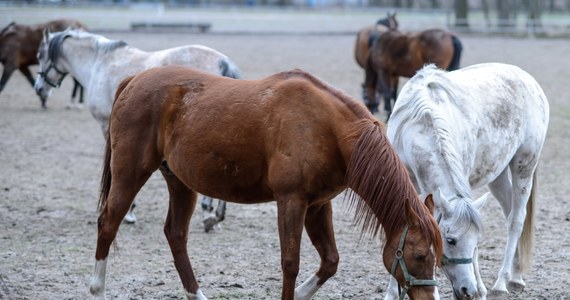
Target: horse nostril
[{"x": 465, "y": 293}]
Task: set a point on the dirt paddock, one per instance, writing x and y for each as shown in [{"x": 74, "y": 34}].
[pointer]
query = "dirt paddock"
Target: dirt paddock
[{"x": 50, "y": 163}]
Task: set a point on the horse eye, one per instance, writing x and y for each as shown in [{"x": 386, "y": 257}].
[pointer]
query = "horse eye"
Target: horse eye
[
  {"x": 420, "y": 257},
  {"x": 451, "y": 241}
]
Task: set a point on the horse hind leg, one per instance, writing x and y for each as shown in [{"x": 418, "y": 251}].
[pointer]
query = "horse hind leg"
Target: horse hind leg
[
  {"x": 182, "y": 203},
  {"x": 519, "y": 225},
  {"x": 121, "y": 195},
  {"x": 319, "y": 227},
  {"x": 208, "y": 214}
]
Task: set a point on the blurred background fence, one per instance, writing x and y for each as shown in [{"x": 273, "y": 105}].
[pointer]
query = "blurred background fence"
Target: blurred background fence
[{"x": 526, "y": 18}]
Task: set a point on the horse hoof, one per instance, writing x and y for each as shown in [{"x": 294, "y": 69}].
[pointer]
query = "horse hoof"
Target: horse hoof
[
  {"x": 498, "y": 295},
  {"x": 209, "y": 223},
  {"x": 130, "y": 218},
  {"x": 515, "y": 286}
]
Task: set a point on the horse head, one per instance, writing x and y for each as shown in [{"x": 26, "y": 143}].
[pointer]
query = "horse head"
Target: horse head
[
  {"x": 461, "y": 227},
  {"x": 50, "y": 74},
  {"x": 389, "y": 22},
  {"x": 410, "y": 256}
]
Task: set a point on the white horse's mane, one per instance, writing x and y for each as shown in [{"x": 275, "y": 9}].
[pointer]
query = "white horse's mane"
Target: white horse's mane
[
  {"x": 432, "y": 95},
  {"x": 102, "y": 43}
]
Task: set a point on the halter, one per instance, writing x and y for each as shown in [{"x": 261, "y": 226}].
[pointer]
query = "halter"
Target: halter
[
  {"x": 453, "y": 261},
  {"x": 409, "y": 280},
  {"x": 53, "y": 52},
  {"x": 61, "y": 75}
]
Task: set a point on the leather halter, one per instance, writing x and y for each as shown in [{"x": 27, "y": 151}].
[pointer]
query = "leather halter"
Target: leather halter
[{"x": 409, "y": 280}]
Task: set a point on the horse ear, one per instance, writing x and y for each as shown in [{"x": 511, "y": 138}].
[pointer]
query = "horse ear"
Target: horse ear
[
  {"x": 411, "y": 216},
  {"x": 441, "y": 202},
  {"x": 479, "y": 203},
  {"x": 46, "y": 34},
  {"x": 429, "y": 203}
]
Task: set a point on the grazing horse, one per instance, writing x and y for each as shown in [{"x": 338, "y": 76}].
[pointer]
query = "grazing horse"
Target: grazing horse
[
  {"x": 19, "y": 45},
  {"x": 366, "y": 37},
  {"x": 396, "y": 54},
  {"x": 289, "y": 138},
  {"x": 100, "y": 64},
  {"x": 457, "y": 131}
]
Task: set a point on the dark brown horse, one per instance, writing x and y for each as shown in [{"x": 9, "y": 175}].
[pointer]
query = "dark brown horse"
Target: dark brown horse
[
  {"x": 396, "y": 54},
  {"x": 288, "y": 138},
  {"x": 366, "y": 37},
  {"x": 19, "y": 46}
]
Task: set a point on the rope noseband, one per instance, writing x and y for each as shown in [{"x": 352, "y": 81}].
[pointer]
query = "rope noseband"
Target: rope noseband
[{"x": 409, "y": 280}]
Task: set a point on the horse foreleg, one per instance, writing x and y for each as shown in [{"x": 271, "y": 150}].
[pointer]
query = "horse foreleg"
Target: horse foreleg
[
  {"x": 481, "y": 289},
  {"x": 319, "y": 227},
  {"x": 208, "y": 216},
  {"x": 121, "y": 195},
  {"x": 370, "y": 83},
  {"x": 291, "y": 212},
  {"x": 77, "y": 87},
  {"x": 392, "y": 292},
  {"x": 221, "y": 211},
  {"x": 6, "y": 74},
  {"x": 182, "y": 204}
]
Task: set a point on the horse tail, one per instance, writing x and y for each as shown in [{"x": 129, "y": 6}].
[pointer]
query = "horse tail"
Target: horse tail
[
  {"x": 106, "y": 173},
  {"x": 6, "y": 28},
  {"x": 527, "y": 237},
  {"x": 457, "y": 49},
  {"x": 229, "y": 69}
]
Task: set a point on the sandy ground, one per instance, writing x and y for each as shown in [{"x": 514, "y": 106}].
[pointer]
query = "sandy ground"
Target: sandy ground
[{"x": 50, "y": 164}]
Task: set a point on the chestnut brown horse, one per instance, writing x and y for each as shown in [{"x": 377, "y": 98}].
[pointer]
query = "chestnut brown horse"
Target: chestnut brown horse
[
  {"x": 366, "y": 37},
  {"x": 289, "y": 138},
  {"x": 396, "y": 54},
  {"x": 19, "y": 46}
]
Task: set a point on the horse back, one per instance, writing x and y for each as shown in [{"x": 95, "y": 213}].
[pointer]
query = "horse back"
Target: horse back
[
  {"x": 438, "y": 47},
  {"x": 63, "y": 24}
]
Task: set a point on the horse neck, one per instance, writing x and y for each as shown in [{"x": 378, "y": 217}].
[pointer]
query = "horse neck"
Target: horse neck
[
  {"x": 80, "y": 58},
  {"x": 437, "y": 162}
]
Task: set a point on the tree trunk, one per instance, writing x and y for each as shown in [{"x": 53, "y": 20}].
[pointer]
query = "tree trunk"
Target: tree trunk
[
  {"x": 461, "y": 13},
  {"x": 534, "y": 14},
  {"x": 505, "y": 13}
]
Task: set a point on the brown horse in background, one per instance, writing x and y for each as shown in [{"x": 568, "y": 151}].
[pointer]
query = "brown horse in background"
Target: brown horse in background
[
  {"x": 19, "y": 46},
  {"x": 366, "y": 37},
  {"x": 289, "y": 138},
  {"x": 396, "y": 54}
]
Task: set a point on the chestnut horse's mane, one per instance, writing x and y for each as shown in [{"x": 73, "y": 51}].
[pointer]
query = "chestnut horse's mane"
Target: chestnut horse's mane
[{"x": 378, "y": 177}]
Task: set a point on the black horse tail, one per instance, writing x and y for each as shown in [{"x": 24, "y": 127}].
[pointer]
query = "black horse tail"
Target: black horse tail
[
  {"x": 229, "y": 69},
  {"x": 457, "y": 49},
  {"x": 106, "y": 173}
]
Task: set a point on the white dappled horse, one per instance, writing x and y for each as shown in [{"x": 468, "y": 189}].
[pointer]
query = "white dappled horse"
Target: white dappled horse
[
  {"x": 457, "y": 131},
  {"x": 100, "y": 64}
]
